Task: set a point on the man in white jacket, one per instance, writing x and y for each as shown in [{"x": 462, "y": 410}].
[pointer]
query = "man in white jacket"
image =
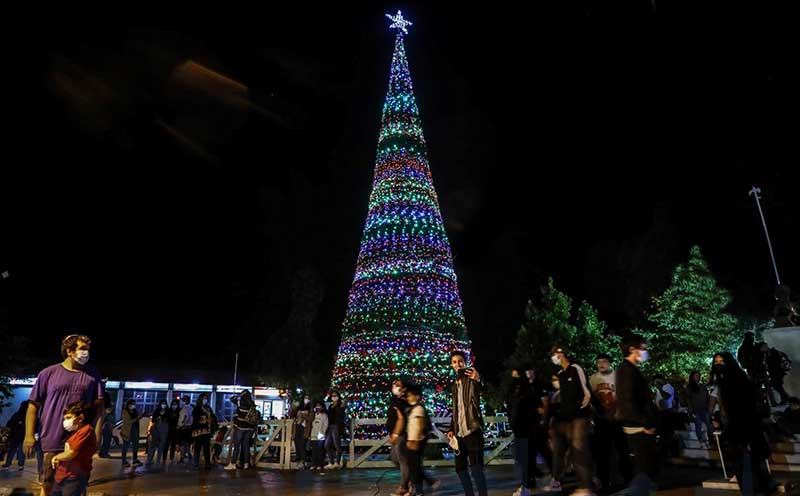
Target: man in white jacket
[{"x": 185, "y": 421}]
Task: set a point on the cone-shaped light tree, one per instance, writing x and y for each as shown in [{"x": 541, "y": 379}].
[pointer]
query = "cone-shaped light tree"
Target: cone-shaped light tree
[{"x": 404, "y": 312}]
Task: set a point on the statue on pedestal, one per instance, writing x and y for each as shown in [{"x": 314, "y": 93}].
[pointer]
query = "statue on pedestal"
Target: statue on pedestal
[{"x": 785, "y": 312}]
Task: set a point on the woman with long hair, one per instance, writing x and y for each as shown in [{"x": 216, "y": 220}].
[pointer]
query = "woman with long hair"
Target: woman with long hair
[{"x": 742, "y": 427}]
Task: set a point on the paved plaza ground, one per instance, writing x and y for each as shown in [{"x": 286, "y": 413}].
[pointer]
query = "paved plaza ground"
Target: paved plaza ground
[{"x": 178, "y": 480}]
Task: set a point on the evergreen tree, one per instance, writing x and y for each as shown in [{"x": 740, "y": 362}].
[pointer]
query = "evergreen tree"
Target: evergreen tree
[{"x": 690, "y": 322}]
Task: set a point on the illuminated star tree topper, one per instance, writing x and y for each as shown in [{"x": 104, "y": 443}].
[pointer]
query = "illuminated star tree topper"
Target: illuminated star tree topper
[{"x": 399, "y": 23}]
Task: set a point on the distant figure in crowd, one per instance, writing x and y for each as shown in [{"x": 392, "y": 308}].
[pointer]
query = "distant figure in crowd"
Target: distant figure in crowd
[
  {"x": 73, "y": 467},
  {"x": 336, "y": 428},
  {"x": 185, "y": 423},
  {"x": 245, "y": 420},
  {"x": 204, "y": 425},
  {"x": 301, "y": 413},
  {"x": 158, "y": 434},
  {"x": 16, "y": 435},
  {"x": 698, "y": 401},
  {"x": 57, "y": 387},
  {"x": 216, "y": 447},
  {"x": 666, "y": 404},
  {"x": 790, "y": 420},
  {"x": 173, "y": 416},
  {"x": 319, "y": 427},
  {"x": 109, "y": 419},
  {"x": 397, "y": 435},
  {"x": 130, "y": 433}
]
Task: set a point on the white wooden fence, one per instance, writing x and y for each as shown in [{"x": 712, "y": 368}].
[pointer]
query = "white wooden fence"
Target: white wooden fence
[{"x": 274, "y": 444}]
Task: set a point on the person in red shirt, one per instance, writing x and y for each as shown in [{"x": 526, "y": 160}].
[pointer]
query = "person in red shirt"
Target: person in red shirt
[{"x": 74, "y": 466}]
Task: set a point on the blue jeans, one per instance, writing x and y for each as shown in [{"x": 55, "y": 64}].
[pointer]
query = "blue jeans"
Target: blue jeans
[
  {"x": 241, "y": 445},
  {"x": 133, "y": 443},
  {"x": 70, "y": 487},
  {"x": 15, "y": 450},
  {"x": 702, "y": 418}
]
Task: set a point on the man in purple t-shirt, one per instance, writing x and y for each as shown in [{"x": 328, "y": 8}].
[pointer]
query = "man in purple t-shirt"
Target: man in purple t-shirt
[{"x": 56, "y": 387}]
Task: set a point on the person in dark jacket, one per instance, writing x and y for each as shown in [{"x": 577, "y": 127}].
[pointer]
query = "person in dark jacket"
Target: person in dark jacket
[
  {"x": 109, "y": 419},
  {"x": 637, "y": 414},
  {"x": 242, "y": 430},
  {"x": 158, "y": 435},
  {"x": 333, "y": 436},
  {"x": 745, "y": 352},
  {"x": 523, "y": 418},
  {"x": 466, "y": 426},
  {"x": 743, "y": 426},
  {"x": 697, "y": 399},
  {"x": 17, "y": 425},
  {"x": 203, "y": 426},
  {"x": 301, "y": 413},
  {"x": 572, "y": 423}
]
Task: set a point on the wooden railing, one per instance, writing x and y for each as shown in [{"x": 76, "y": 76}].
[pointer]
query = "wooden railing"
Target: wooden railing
[{"x": 275, "y": 444}]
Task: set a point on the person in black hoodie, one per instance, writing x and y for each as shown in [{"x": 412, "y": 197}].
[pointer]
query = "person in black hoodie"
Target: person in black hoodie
[
  {"x": 333, "y": 436},
  {"x": 739, "y": 400},
  {"x": 572, "y": 422},
  {"x": 523, "y": 417},
  {"x": 637, "y": 414}
]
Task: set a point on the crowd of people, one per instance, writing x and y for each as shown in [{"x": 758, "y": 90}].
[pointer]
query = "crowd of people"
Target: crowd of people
[{"x": 611, "y": 429}]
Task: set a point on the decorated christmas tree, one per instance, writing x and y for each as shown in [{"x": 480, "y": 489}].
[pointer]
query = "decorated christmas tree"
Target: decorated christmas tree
[
  {"x": 404, "y": 312},
  {"x": 690, "y": 320}
]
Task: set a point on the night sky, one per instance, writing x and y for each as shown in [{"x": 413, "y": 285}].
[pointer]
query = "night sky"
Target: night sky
[{"x": 180, "y": 169}]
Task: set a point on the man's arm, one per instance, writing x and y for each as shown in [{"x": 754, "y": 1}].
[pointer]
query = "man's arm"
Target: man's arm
[{"x": 31, "y": 421}]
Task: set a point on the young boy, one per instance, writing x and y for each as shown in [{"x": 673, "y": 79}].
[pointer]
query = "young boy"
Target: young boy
[
  {"x": 417, "y": 428},
  {"x": 216, "y": 449},
  {"x": 74, "y": 466}
]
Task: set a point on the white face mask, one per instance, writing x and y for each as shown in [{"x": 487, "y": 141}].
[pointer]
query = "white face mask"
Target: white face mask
[
  {"x": 555, "y": 360},
  {"x": 82, "y": 356},
  {"x": 643, "y": 356},
  {"x": 205, "y": 402},
  {"x": 70, "y": 425}
]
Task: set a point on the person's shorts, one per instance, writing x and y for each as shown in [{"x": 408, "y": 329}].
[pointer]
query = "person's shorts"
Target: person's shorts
[{"x": 48, "y": 472}]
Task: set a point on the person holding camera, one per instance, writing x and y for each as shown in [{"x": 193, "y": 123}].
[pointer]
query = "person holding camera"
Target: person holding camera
[{"x": 466, "y": 426}]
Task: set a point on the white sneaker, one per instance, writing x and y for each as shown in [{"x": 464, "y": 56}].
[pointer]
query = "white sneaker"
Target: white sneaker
[
  {"x": 246, "y": 466},
  {"x": 329, "y": 466},
  {"x": 337, "y": 465},
  {"x": 553, "y": 487},
  {"x": 230, "y": 466}
]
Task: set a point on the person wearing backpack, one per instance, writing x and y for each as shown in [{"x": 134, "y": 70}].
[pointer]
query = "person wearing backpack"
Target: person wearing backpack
[
  {"x": 779, "y": 365},
  {"x": 245, "y": 421}
]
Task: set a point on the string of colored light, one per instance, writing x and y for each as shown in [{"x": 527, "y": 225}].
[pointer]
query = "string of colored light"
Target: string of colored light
[{"x": 404, "y": 314}]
